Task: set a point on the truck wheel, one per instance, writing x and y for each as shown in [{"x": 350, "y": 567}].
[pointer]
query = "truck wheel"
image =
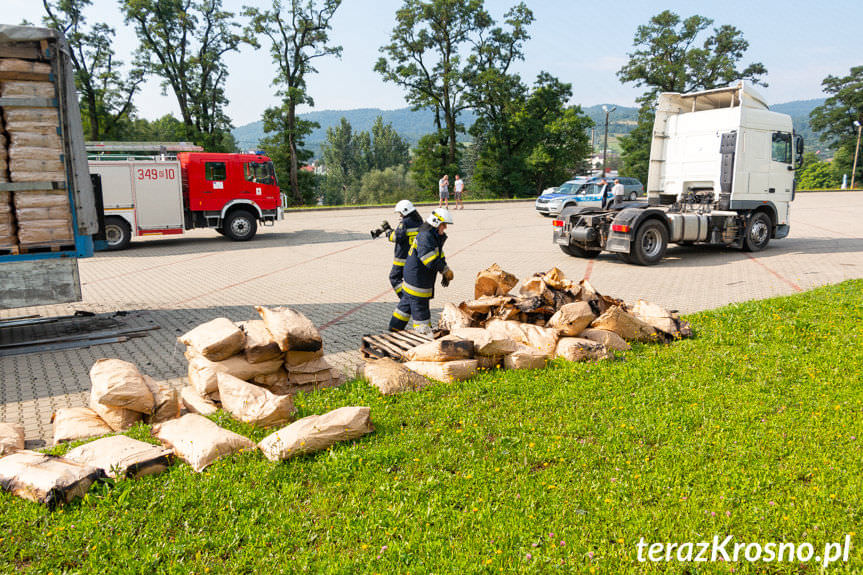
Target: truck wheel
[
  {"x": 757, "y": 234},
  {"x": 240, "y": 226},
  {"x": 118, "y": 233},
  {"x": 579, "y": 252},
  {"x": 650, "y": 243}
]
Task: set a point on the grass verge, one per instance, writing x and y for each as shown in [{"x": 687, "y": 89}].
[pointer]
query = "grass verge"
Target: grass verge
[{"x": 753, "y": 429}]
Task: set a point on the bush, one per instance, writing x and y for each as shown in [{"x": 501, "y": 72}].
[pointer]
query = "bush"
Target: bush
[
  {"x": 387, "y": 186},
  {"x": 817, "y": 176}
]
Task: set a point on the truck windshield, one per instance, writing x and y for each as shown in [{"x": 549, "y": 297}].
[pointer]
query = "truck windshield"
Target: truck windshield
[
  {"x": 260, "y": 173},
  {"x": 570, "y": 188}
]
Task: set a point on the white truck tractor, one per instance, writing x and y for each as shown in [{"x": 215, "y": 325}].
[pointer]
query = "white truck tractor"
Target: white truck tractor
[{"x": 722, "y": 172}]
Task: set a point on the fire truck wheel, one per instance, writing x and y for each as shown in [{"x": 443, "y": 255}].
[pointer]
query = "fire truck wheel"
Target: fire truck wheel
[
  {"x": 118, "y": 233},
  {"x": 240, "y": 226}
]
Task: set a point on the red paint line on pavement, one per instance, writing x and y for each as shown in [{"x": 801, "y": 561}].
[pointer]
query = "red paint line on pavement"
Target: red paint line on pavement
[
  {"x": 353, "y": 310},
  {"x": 793, "y": 285},
  {"x": 588, "y": 270},
  {"x": 382, "y": 294},
  {"x": 235, "y": 284},
  {"x": 150, "y": 268}
]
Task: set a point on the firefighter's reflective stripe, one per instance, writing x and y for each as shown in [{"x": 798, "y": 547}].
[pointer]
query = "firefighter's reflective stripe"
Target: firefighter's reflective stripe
[
  {"x": 428, "y": 258},
  {"x": 392, "y": 236},
  {"x": 399, "y": 262},
  {"x": 412, "y": 232},
  {"x": 417, "y": 291},
  {"x": 398, "y": 287},
  {"x": 418, "y": 324},
  {"x": 399, "y": 315}
]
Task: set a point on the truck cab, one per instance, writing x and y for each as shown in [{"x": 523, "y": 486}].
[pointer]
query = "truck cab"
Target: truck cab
[
  {"x": 722, "y": 172},
  {"x": 229, "y": 192}
]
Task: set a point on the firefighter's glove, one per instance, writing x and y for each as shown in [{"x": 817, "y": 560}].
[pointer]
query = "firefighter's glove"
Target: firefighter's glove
[{"x": 447, "y": 277}]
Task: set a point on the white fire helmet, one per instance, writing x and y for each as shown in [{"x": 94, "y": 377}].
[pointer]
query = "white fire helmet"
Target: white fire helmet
[
  {"x": 439, "y": 216},
  {"x": 404, "y": 207}
]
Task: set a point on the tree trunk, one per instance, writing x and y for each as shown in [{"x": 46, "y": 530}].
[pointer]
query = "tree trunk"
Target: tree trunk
[
  {"x": 292, "y": 144},
  {"x": 450, "y": 124},
  {"x": 94, "y": 116}
]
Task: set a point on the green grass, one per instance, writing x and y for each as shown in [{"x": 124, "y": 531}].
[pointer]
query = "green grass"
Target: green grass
[{"x": 752, "y": 429}]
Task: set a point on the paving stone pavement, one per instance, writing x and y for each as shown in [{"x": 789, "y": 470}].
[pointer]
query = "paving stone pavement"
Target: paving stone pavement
[{"x": 325, "y": 265}]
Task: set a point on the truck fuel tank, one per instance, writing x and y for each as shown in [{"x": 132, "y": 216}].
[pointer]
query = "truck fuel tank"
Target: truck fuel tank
[{"x": 689, "y": 227}]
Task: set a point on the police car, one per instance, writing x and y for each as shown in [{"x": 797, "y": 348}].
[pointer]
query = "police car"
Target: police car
[
  {"x": 586, "y": 192},
  {"x": 553, "y": 200}
]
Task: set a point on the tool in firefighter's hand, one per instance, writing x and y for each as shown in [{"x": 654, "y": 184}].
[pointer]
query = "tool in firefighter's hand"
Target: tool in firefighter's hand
[
  {"x": 385, "y": 228},
  {"x": 447, "y": 277}
]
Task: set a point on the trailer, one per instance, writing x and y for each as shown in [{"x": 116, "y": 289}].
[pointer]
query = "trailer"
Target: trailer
[
  {"x": 48, "y": 208},
  {"x": 722, "y": 172},
  {"x": 168, "y": 193}
]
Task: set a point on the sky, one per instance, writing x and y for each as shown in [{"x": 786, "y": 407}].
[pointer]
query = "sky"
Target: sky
[{"x": 583, "y": 43}]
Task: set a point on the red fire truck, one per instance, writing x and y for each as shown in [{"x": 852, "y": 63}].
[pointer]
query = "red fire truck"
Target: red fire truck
[{"x": 175, "y": 190}]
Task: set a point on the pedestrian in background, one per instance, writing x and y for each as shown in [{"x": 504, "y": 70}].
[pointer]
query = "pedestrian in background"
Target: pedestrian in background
[
  {"x": 458, "y": 189},
  {"x": 443, "y": 191},
  {"x": 617, "y": 191},
  {"x": 603, "y": 190}
]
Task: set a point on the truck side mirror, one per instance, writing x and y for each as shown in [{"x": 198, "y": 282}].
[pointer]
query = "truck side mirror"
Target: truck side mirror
[{"x": 798, "y": 149}]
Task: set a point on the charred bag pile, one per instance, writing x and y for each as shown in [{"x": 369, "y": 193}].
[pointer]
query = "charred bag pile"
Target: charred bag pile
[{"x": 550, "y": 317}]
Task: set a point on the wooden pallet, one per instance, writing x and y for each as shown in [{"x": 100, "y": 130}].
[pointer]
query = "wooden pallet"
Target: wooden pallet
[
  {"x": 391, "y": 344},
  {"x": 64, "y": 246},
  {"x": 9, "y": 250}
]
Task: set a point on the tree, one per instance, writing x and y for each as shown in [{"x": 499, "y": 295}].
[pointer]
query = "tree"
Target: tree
[
  {"x": 346, "y": 157},
  {"x": 387, "y": 148},
  {"x": 106, "y": 93},
  {"x": 635, "y": 147},
  {"x": 561, "y": 150},
  {"x": 428, "y": 164},
  {"x": 667, "y": 57},
  {"x": 428, "y": 56},
  {"x": 532, "y": 141},
  {"x": 834, "y": 120},
  {"x": 284, "y": 144},
  {"x": 184, "y": 42},
  {"x": 674, "y": 55},
  {"x": 299, "y": 34}
]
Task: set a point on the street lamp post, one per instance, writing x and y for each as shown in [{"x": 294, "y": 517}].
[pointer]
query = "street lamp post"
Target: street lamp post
[
  {"x": 605, "y": 144},
  {"x": 856, "y": 151}
]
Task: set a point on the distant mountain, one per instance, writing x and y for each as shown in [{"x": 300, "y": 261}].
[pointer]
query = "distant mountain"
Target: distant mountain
[
  {"x": 799, "y": 111},
  {"x": 412, "y": 125}
]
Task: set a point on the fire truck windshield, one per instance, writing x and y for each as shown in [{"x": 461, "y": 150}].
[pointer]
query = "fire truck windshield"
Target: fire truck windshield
[{"x": 260, "y": 173}]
